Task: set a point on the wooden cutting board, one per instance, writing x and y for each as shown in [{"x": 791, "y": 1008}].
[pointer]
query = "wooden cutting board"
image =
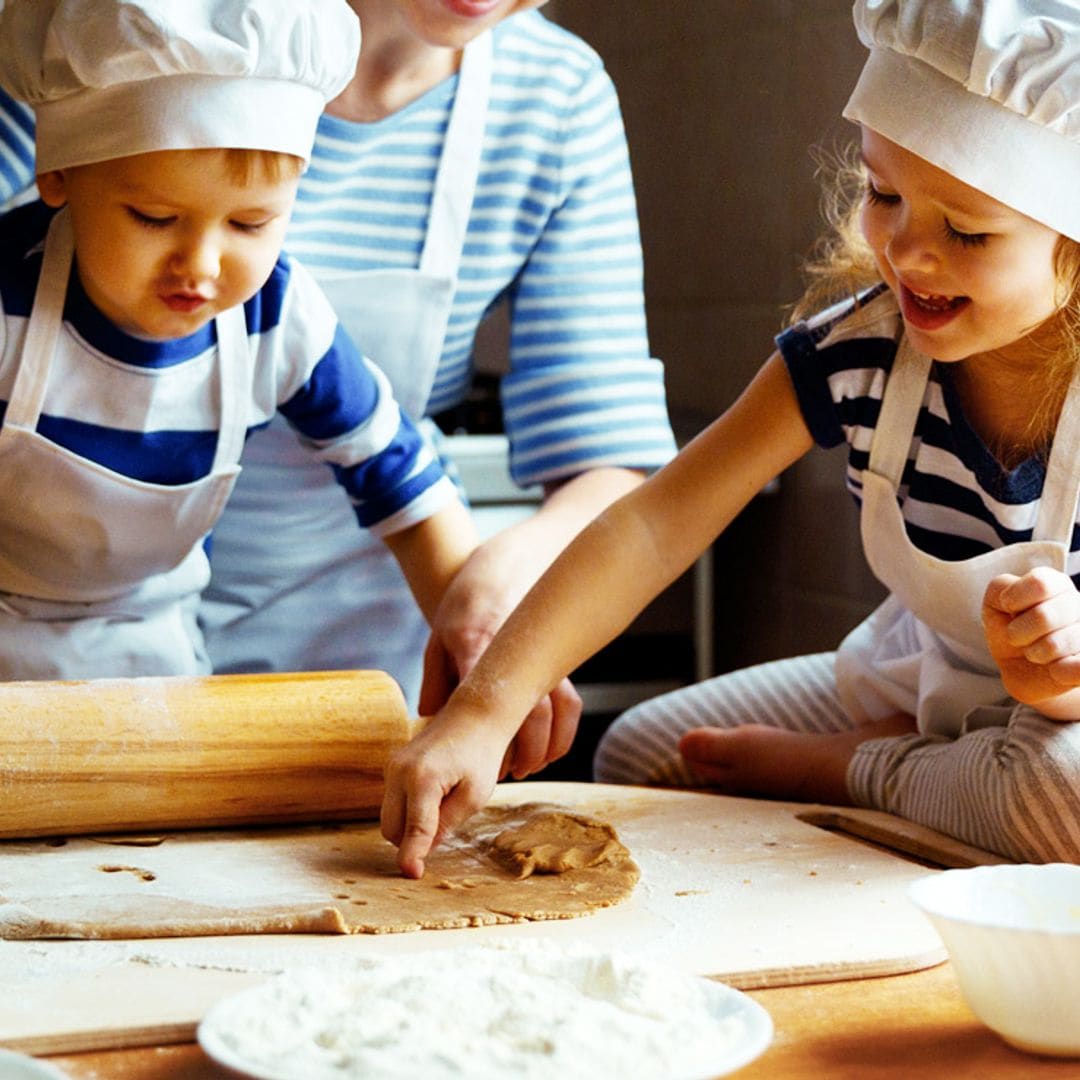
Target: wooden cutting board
[{"x": 749, "y": 891}]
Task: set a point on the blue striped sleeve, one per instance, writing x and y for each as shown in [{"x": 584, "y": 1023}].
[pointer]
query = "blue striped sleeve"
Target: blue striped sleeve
[
  {"x": 16, "y": 149},
  {"x": 346, "y": 411},
  {"x": 583, "y": 390},
  {"x": 338, "y": 397}
]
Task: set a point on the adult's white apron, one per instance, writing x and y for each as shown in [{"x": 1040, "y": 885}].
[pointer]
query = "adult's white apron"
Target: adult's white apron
[
  {"x": 297, "y": 584},
  {"x": 923, "y": 651},
  {"x": 99, "y": 572}
]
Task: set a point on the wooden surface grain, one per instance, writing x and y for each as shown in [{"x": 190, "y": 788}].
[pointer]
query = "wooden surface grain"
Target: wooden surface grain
[
  {"x": 142, "y": 754},
  {"x": 901, "y": 1027},
  {"x": 744, "y": 890}
]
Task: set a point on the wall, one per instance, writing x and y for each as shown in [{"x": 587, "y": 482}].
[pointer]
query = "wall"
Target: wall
[{"x": 723, "y": 100}]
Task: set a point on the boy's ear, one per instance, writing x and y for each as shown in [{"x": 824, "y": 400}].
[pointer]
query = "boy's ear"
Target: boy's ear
[{"x": 52, "y": 186}]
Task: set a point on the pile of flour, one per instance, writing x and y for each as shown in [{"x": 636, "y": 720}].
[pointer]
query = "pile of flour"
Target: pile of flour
[{"x": 485, "y": 1013}]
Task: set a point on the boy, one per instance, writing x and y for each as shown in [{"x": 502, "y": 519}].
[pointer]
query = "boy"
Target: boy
[{"x": 150, "y": 322}]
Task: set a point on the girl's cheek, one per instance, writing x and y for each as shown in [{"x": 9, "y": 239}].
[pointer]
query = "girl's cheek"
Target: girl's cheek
[
  {"x": 876, "y": 234},
  {"x": 870, "y": 226}
]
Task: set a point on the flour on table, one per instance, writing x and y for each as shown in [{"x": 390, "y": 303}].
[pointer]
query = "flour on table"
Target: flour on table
[{"x": 486, "y": 1013}]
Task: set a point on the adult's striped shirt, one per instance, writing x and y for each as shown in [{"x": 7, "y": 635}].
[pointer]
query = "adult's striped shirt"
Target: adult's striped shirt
[{"x": 553, "y": 230}]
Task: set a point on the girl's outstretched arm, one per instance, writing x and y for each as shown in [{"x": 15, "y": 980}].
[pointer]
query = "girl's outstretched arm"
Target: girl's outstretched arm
[{"x": 616, "y": 565}]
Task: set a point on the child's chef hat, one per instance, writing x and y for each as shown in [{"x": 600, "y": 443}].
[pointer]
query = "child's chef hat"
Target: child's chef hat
[
  {"x": 112, "y": 78},
  {"x": 988, "y": 90}
]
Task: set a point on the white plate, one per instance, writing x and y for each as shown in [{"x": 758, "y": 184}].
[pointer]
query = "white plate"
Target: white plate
[
  {"x": 732, "y": 1029},
  {"x": 20, "y": 1067}
]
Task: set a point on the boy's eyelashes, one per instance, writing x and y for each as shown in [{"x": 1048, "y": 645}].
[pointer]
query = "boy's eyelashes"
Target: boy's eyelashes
[
  {"x": 152, "y": 221},
  {"x": 249, "y": 226},
  {"x": 966, "y": 239},
  {"x": 149, "y": 220}
]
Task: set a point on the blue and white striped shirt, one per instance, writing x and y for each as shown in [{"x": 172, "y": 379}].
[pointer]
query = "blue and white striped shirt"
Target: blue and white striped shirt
[
  {"x": 16, "y": 151},
  {"x": 553, "y": 227},
  {"x": 149, "y": 409},
  {"x": 957, "y": 500}
]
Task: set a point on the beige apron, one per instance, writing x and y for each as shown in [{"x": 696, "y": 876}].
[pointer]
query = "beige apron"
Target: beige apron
[
  {"x": 98, "y": 570},
  {"x": 923, "y": 651},
  {"x": 297, "y": 585}
]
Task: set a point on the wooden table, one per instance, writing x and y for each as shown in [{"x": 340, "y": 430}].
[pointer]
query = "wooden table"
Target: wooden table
[{"x": 904, "y": 1026}]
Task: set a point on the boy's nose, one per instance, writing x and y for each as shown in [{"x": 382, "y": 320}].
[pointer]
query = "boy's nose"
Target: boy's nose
[{"x": 199, "y": 259}]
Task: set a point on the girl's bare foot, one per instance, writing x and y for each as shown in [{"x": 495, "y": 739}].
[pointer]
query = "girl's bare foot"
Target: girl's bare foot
[{"x": 778, "y": 764}]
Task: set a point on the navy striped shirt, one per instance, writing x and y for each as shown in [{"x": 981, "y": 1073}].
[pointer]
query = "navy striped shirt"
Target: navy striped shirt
[{"x": 957, "y": 500}]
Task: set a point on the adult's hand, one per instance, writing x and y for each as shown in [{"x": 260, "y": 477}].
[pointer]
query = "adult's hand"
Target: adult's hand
[
  {"x": 473, "y": 608},
  {"x": 492, "y": 583}
]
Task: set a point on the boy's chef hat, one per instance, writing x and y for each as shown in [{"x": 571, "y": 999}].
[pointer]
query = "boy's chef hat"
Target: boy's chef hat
[
  {"x": 112, "y": 78},
  {"x": 988, "y": 90}
]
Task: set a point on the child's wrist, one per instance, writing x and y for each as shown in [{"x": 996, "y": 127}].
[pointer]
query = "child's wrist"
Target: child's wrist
[{"x": 1064, "y": 708}]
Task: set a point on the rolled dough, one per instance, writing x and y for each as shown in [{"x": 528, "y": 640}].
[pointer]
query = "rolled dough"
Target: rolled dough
[{"x": 507, "y": 864}]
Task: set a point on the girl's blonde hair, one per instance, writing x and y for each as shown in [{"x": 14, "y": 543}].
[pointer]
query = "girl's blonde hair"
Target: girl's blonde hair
[{"x": 841, "y": 265}]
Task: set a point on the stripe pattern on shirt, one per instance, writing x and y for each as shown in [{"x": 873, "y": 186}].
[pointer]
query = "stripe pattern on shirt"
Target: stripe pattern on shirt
[
  {"x": 957, "y": 500},
  {"x": 553, "y": 230},
  {"x": 150, "y": 409}
]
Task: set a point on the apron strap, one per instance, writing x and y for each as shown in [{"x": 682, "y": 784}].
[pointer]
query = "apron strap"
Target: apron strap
[
  {"x": 904, "y": 392},
  {"x": 891, "y": 442},
  {"x": 235, "y": 370},
  {"x": 455, "y": 180},
  {"x": 43, "y": 329},
  {"x": 1061, "y": 488}
]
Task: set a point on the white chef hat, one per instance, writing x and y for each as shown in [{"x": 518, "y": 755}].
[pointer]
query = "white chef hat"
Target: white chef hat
[
  {"x": 988, "y": 90},
  {"x": 112, "y": 78}
]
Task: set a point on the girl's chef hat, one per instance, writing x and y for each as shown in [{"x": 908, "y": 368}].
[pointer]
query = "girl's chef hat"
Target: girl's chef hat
[
  {"x": 988, "y": 90},
  {"x": 112, "y": 78}
]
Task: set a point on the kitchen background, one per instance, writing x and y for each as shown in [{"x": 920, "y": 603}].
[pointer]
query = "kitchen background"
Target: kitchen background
[{"x": 723, "y": 102}]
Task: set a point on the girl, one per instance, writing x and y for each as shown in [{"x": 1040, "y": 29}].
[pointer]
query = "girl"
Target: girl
[{"x": 952, "y": 382}]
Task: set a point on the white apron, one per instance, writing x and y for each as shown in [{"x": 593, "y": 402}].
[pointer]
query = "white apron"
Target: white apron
[
  {"x": 296, "y": 584},
  {"x": 923, "y": 651},
  {"x": 100, "y": 572}
]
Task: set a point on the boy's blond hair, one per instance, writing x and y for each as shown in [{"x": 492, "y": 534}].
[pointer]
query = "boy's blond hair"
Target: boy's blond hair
[{"x": 245, "y": 164}]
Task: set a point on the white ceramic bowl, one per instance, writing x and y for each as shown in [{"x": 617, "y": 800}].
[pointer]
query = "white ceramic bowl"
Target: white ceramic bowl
[
  {"x": 524, "y": 1009},
  {"x": 15, "y": 1066},
  {"x": 1013, "y": 936}
]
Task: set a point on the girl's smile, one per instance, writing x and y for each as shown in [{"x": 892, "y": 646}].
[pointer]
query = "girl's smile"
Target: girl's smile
[
  {"x": 928, "y": 311},
  {"x": 971, "y": 275}
]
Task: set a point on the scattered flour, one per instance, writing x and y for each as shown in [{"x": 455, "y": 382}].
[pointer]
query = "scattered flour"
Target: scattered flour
[{"x": 485, "y": 1013}]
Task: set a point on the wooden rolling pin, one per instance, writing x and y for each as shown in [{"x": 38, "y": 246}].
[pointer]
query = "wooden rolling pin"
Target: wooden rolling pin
[{"x": 144, "y": 754}]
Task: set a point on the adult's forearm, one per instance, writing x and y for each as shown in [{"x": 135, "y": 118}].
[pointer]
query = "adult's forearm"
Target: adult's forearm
[{"x": 567, "y": 508}]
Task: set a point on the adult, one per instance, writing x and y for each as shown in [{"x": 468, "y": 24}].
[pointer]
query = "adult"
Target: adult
[{"x": 478, "y": 156}]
